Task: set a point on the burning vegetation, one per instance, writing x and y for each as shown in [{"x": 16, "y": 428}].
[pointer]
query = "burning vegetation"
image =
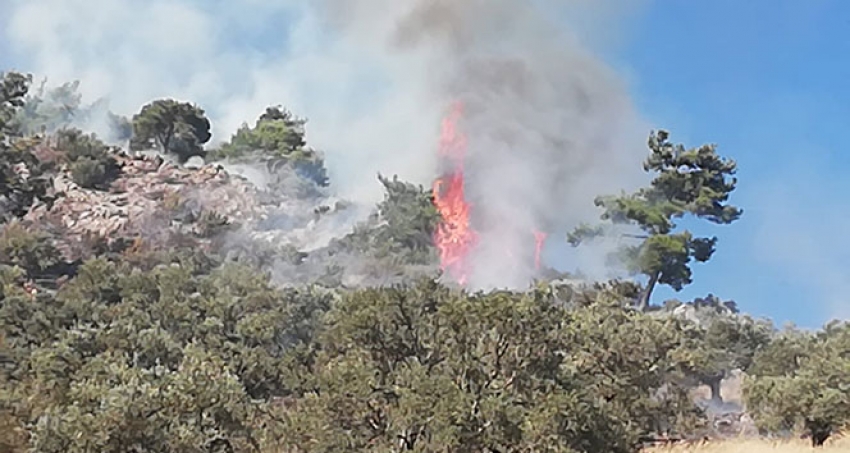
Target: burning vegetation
[{"x": 455, "y": 237}]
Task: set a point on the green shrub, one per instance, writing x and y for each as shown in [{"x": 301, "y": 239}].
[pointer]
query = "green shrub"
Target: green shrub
[
  {"x": 278, "y": 138},
  {"x": 90, "y": 161},
  {"x": 89, "y": 173},
  {"x": 30, "y": 250}
]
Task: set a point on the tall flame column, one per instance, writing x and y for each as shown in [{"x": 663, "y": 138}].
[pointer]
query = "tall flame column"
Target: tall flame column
[{"x": 454, "y": 236}]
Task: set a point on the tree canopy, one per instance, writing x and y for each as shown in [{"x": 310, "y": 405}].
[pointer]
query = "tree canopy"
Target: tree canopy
[
  {"x": 184, "y": 355},
  {"x": 14, "y": 87},
  {"x": 802, "y": 381},
  {"x": 171, "y": 126},
  {"x": 277, "y": 138},
  {"x": 694, "y": 181},
  {"x": 22, "y": 179}
]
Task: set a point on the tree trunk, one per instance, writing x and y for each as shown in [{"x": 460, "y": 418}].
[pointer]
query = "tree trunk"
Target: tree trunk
[
  {"x": 643, "y": 302},
  {"x": 819, "y": 430},
  {"x": 165, "y": 139},
  {"x": 714, "y": 385}
]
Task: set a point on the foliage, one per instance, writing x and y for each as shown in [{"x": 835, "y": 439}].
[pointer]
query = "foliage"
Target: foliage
[
  {"x": 22, "y": 176},
  {"x": 402, "y": 226},
  {"x": 23, "y": 181},
  {"x": 168, "y": 359},
  {"x": 731, "y": 342},
  {"x": 278, "y": 139},
  {"x": 32, "y": 251},
  {"x": 89, "y": 173},
  {"x": 171, "y": 126},
  {"x": 259, "y": 253},
  {"x": 121, "y": 127},
  {"x": 724, "y": 339},
  {"x": 90, "y": 161},
  {"x": 784, "y": 354},
  {"x": 802, "y": 381},
  {"x": 427, "y": 369},
  {"x": 49, "y": 110},
  {"x": 688, "y": 181},
  {"x": 725, "y": 344},
  {"x": 705, "y": 308},
  {"x": 276, "y": 132},
  {"x": 179, "y": 354},
  {"x": 46, "y": 111},
  {"x": 183, "y": 344},
  {"x": 13, "y": 90}
]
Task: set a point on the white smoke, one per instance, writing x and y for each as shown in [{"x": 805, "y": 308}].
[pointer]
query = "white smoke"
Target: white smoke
[{"x": 550, "y": 125}]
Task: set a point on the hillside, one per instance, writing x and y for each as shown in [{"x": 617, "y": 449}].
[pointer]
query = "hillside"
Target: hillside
[{"x": 162, "y": 295}]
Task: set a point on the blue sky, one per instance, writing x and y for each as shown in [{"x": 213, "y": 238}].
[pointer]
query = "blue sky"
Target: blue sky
[
  {"x": 765, "y": 80},
  {"x": 768, "y": 82}
]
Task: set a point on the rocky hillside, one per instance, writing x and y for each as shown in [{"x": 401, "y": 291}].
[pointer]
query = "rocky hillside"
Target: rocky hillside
[
  {"x": 292, "y": 228},
  {"x": 151, "y": 201},
  {"x": 151, "y": 303}
]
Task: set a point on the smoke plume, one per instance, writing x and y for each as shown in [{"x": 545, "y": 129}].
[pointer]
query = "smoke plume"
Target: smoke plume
[{"x": 549, "y": 124}]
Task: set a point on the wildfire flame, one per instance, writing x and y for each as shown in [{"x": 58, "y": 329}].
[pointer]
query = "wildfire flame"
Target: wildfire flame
[
  {"x": 454, "y": 236},
  {"x": 539, "y": 240}
]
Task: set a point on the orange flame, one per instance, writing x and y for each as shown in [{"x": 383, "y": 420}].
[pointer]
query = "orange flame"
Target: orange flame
[
  {"x": 539, "y": 240},
  {"x": 454, "y": 236}
]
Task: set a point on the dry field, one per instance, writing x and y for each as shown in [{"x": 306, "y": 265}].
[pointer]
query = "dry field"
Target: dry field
[{"x": 837, "y": 445}]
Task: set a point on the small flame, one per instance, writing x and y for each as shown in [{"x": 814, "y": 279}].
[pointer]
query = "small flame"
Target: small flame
[
  {"x": 454, "y": 236},
  {"x": 539, "y": 240}
]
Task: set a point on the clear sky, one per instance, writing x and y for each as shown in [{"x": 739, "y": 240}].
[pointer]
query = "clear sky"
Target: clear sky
[{"x": 766, "y": 80}]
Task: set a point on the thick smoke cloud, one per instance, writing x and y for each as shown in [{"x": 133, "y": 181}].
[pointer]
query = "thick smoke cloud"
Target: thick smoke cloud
[
  {"x": 234, "y": 59},
  {"x": 549, "y": 124}
]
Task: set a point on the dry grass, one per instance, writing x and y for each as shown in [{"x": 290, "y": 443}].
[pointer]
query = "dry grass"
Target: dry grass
[{"x": 837, "y": 445}]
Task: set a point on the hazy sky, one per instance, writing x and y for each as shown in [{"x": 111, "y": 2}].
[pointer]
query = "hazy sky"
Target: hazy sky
[{"x": 767, "y": 80}]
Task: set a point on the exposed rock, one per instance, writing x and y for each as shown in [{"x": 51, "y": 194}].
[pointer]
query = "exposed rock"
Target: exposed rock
[
  {"x": 195, "y": 162},
  {"x": 688, "y": 312},
  {"x": 134, "y": 206},
  {"x": 156, "y": 201},
  {"x": 287, "y": 225}
]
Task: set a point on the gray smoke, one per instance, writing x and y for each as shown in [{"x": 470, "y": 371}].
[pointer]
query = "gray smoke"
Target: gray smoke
[{"x": 549, "y": 124}]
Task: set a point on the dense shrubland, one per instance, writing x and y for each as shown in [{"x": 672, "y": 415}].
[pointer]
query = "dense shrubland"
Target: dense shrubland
[{"x": 189, "y": 345}]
